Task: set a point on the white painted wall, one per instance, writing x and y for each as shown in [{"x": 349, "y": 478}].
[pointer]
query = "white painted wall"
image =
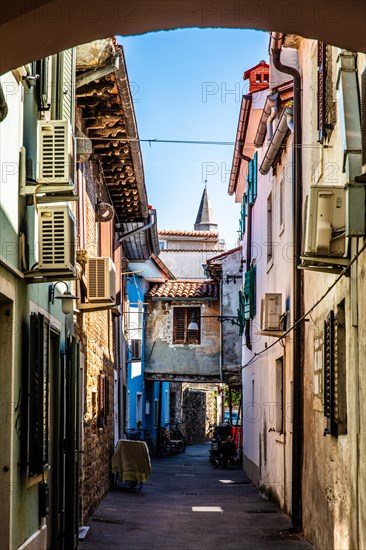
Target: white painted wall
[{"x": 11, "y": 136}]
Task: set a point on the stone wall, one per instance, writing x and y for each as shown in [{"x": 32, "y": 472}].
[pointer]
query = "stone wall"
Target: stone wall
[
  {"x": 95, "y": 331},
  {"x": 199, "y": 412}
]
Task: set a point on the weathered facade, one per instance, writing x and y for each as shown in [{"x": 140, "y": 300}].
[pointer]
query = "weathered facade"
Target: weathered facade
[
  {"x": 227, "y": 269},
  {"x": 303, "y": 387},
  {"x": 334, "y": 373},
  {"x": 173, "y": 351}
]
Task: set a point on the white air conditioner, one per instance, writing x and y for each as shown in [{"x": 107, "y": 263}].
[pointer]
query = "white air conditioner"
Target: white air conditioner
[
  {"x": 56, "y": 155},
  {"x": 271, "y": 311},
  {"x": 56, "y": 238},
  {"x": 101, "y": 280},
  {"x": 325, "y": 222}
]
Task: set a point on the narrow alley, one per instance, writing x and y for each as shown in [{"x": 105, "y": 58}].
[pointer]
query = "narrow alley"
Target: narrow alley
[{"x": 187, "y": 503}]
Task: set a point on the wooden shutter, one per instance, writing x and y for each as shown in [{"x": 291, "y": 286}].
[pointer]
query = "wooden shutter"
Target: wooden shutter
[
  {"x": 250, "y": 293},
  {"x": 329, "y": 372},
  {"x": 64, "y": 92},
  {"x": 253, "y": 286},
  {"x": 44, "y": 100},
  {"x": 101, "y": 401},
  {"x": 322, "y": 78},
  {"x": 250, "y": 182},
  {"x": 242, "y": 216},
  {"x": 255, "y": 175},
  {"x": 179, "y": 325},
  {"x": 363, "y": 115},
  {"x": 182, "y": 316},
  {"x": 241, "y": 312},
  {"x": 38, "y": 395}
]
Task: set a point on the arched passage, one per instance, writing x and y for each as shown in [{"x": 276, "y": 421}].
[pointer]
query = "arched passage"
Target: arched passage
[{"x": 36, "y": 28}]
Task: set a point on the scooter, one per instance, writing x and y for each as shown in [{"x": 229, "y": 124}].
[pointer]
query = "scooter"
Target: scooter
[{"x": 223, "y": 449}]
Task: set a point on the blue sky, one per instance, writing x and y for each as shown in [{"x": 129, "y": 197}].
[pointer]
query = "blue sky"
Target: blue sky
[{"x": 187, "y": 85}]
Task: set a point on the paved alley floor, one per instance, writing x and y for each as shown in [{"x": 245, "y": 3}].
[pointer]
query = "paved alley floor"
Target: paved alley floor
[{"x": 186, "y": 504}]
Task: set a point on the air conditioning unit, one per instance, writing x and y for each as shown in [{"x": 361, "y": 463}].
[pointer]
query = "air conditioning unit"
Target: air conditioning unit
[
  {"x": 56, "y": 155},
  {"x": 56, "y": 238},
  {"x": 325, "y": 222},
  {"x": 271, "y": 311},
  {"x": 101, "y": 280}
]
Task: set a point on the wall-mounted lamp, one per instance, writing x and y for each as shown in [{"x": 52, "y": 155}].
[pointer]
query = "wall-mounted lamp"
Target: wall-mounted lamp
[
  {"x": 221, "y": 318},
  {"x": 193, "y": 322},
  {"x": 67, "y": 298}
]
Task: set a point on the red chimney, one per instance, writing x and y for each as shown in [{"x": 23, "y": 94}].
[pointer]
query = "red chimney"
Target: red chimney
[{"x": 258, "y": 77}]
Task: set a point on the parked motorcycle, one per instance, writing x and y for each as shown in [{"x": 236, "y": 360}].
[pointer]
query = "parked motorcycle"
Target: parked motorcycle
[{"x": 223, "y": 451}]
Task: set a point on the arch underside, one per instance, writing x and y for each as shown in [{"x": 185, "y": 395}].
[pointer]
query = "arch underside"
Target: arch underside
[{"x": 33, "y": 29}]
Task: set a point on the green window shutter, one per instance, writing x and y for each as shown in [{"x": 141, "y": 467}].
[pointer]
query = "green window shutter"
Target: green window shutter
[
  {"x": 38, "y": 395},
  {"x": 253, "y": 276},
  {"x": 255, "y": 175},
  {"x": 250, "y": 182},
  {"x": 247, "y": 286},
  {"x": 243, "y": 213},
  {"x": 63, "y": 104},
  {"x": 241, "y": 315},
  {"x": 250, "y": 293}
]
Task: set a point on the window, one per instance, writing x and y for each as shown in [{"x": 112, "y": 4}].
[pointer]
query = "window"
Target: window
[
  {"x": 243, "y": 214},
  {"x": 335, "y": 381},
  {"x": 38, "y": 394},
  {"x": 135, "y": 349},
  {"x": 138, "y": 407},
  {"x": 103, "y": 400},
  {"x": 258, "y": 77},
  {"x": 162, "y": 245},
  {"x": 249, "y": 295},
  {"x": 326, "y": 105},
  {"x": 269, "y": 229},
  {"x": 363, "y": 115},
  {"x": 182, "y": 317},
  {"x": 266, "y": 78},
  {"x": 252, "y": 179},
  {"x": 279, "y": 396}
]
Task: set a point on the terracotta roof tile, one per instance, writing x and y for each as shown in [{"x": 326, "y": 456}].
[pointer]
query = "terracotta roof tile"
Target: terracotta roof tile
[
  {"x": 183, "y": 233},
  {"x": 184, "y": 289}
]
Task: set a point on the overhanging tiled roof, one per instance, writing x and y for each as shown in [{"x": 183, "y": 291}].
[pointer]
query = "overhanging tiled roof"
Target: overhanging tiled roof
[
  {"x": 104, "y": 98},
  {"x": 183, "y": 233},
  {"x": 184, "y": 289}
]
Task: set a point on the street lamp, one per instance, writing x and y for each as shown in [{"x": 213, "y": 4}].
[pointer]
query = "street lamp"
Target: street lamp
[{"x": 66, "y": 298}]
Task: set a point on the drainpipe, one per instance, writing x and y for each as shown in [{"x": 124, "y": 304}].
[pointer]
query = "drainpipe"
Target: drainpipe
[
  {"x": 272, "y": 116},
  {"x": 150, "y": 222},
  {"x": 297, "y": 356}
]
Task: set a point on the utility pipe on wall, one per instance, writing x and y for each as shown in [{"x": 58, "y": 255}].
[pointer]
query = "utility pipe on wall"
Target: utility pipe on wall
[{"x": 297, "y": 356}]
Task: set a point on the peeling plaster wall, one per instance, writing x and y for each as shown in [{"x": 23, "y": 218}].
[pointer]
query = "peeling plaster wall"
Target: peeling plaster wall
[
  {"x": 334, "y": 478},
  {"x": 231, "y": 339},
  {"x": 162, "y": 356}
]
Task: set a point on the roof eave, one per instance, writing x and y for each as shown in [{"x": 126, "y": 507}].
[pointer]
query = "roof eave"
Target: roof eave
[{"x": 241, "y": 133}]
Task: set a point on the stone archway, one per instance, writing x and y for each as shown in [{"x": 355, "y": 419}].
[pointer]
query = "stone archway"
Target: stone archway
[{"x": 32, "y": 29}]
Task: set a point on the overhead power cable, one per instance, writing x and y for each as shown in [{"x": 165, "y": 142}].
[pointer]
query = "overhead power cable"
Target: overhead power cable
[
  {"x": 183, "y": 141},
  {"x": 335, "y": 282}
]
